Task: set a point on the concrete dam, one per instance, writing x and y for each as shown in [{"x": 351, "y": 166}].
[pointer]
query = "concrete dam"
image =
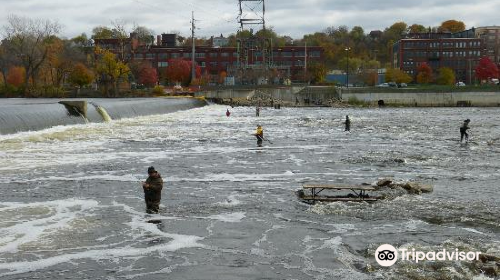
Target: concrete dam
[{"x": 18, "y": 115}]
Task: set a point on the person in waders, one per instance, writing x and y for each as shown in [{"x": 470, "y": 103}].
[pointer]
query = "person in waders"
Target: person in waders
[
  {"x": 228, "y": 113},
  {"x": 463, "y": 131},
  {"x": 347, "y": 123},
  {"x": 152, "y": 191},
  {"x": 260, "y": 135}
]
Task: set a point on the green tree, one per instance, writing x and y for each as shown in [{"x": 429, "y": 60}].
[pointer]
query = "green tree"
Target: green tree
[
  {"x": 354, "y": 64},
  {"x": 417, "y": 28},
  {"x": 102, "y": 32}
]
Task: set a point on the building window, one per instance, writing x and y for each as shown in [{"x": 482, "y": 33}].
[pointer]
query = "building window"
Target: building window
[
  {"x": 213, "y": 55},
  {"x": 200, "y": 55},
  {"x": 150, "y": 56},
  {"x": 301, "y": 53},
  {"x": 174, "y": 55},
  {"x": 213, "y": 64},
  {"x": 314, "y": 54},
  {"x": 162, "y": 64},
  {"x": 162, "y": 56},
  {"x": 224, "y": 54},
  {"x": 286, "y": 54},
  {"x": 202, "y": 64}
]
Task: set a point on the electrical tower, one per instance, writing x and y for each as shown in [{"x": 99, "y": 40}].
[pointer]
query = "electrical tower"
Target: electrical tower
[
  {"x": 254, "y": 51},
  {"x": 252, "y": 12}
]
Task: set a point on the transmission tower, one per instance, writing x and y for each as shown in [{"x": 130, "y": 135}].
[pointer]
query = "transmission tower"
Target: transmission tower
[
  {"x": 252, "y": 12},
  {"x": 254, "y": 52}
]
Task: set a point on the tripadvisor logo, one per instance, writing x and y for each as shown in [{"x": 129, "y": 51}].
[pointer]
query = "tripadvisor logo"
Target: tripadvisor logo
[{"x": 386, "y": 255}]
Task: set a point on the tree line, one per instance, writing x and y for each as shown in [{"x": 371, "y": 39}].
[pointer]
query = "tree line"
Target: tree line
[{"x": 36, "y": 61}]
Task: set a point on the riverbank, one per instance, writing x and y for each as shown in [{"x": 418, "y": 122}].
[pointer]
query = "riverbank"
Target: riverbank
[{"x": 365, "y": 97}]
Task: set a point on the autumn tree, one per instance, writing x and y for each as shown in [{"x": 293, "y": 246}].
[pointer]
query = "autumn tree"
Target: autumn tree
[
  {"x": 446, "y": 76},
  {"x": 424, "y": 75},
  {"x": 398, "y": 76},
  {"x": 27, "y": 40},
  {"x": 486, "y": 70},
  {"x": 111, "y": 71},
  {"x": 318, "y": 72},
  {"x": 417, "y": 28},
  {"x": 16, "y": 76},
  {"x": 148, "y": 75},
  {"x": 452, "y": 26},
  {"x": 80, "y": 75},
  {"x": 5, "y": 62},
  {"x": 179, "y": 71},
  {"x": 62, "y": 55},
  {"x": 222, "y": 77}
]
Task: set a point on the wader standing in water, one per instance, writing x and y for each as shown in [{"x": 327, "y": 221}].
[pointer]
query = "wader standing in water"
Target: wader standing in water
[
  {"x": 463, "y": 131},
  {"x": 257, "y": 111},
  {"x": 152, "y": 191},
  {"x": 347, "y": 123},
  {"x": 260, "y": 135}
]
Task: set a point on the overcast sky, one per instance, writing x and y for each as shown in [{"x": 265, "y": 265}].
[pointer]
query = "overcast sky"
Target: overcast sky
[{"x": 288, "y": 17}]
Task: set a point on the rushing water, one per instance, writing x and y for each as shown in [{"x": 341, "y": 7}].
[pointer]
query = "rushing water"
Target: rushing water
[{"x": 72, "y": 206}]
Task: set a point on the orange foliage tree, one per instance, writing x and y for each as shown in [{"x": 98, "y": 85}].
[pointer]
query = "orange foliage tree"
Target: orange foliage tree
[
  {"x": 452, "y": 26},
  {"x": 80, "y": 75},
  {"x": 16, "y": 76},
  {"x": 424, "y": 75}
]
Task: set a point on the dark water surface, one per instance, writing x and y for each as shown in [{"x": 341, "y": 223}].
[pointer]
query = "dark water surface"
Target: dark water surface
[{"x": 71, "y": 204}]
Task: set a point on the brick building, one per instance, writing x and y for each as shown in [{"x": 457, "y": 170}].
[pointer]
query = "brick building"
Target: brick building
[
  {"x": 491, "y": 37},
  {"x": 438, "y": 50},
  {"x": 213, "y": 60}
]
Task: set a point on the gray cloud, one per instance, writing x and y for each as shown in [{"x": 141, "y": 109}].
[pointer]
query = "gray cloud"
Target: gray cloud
[{"x": 292, "y": 17}]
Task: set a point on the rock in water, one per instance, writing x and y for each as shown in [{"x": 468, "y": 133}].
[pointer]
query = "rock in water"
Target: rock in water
[
  {"x": 384, "y": 182},
  {"x": 417, "y": 188}
]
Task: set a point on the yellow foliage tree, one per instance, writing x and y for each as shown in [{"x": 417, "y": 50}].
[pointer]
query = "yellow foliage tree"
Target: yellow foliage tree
[
  {"x": 446, "y": 76},
  {"x": 111, "y": 71},
  {"x": 398, "y": 76}
]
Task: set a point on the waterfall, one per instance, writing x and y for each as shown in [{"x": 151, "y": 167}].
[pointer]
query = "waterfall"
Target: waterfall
[{"x": 105, "y": 116}]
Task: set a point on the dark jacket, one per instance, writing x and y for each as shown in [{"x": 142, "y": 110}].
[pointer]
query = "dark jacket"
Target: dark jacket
[{"x": 153, "y": 193}]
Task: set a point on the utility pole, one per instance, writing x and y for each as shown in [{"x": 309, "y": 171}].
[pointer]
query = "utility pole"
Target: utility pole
[
  {"x": 305, "y": 64},
  {"x": 347, "y": 69},
  {"x": 193, "y": 53}
]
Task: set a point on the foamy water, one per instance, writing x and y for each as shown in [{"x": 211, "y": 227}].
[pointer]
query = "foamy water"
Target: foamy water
[{"x": 72, "y": 205}]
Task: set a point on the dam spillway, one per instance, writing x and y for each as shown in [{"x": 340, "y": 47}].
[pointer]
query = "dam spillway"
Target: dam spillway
[{"x": 17, "y": 115}]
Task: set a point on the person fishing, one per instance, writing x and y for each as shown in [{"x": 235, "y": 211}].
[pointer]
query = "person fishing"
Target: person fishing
[
  {"x": 228, "y": 113},
  {"x": 257, "y": 111},
  {"x": 347, "y": 123},
  {"x": 463, "y": 131},
  {"x": 152, "y": 191},
  {"x": 260, "y": 135}
]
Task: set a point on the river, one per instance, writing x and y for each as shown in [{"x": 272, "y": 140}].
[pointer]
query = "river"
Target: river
[{"x": 72, "y": 205}]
